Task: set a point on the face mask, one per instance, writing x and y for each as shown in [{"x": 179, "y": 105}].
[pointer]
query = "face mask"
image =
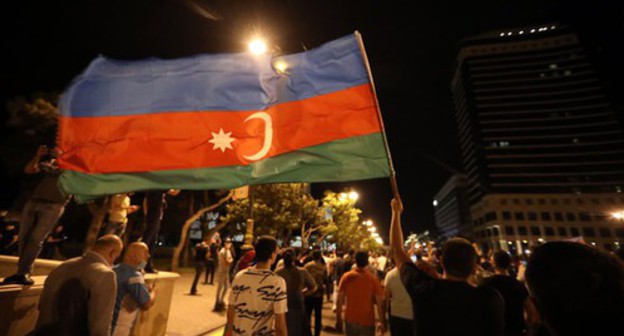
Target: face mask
[{"x": 141, "y": 265}]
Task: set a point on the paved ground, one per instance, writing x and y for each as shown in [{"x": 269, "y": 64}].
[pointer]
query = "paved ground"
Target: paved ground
[
  {"x": 192, "y": 315},
  {"x": 329, "y": 321}
]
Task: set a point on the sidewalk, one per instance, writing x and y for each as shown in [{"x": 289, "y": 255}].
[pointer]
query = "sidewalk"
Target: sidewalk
[
  {"x": 329, "y": 322},
  {"x": 191, "y": 315}
]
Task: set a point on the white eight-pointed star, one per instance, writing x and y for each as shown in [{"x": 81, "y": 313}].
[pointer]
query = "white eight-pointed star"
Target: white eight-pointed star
[{"x": 221, "y": 140}]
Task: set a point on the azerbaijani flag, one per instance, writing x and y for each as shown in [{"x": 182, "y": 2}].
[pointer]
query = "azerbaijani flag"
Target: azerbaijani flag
[{"x": 221, "y": 121}]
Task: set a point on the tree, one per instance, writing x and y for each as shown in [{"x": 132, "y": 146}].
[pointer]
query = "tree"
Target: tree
[
  {"x": 349, "y": 232},
  {"x": 278, "y": 209},
  {"x": 98, "y": 209},
  {"x": 31, "y": 122},
  {"x": 175, "y": 260}
]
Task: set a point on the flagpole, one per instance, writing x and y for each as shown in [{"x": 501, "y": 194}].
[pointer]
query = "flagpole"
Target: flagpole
[{"x": 393, "y": 181}]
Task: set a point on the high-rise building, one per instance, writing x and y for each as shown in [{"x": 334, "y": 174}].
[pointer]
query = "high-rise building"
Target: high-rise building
[
  {"x": 538, "y": 138},
  {"x": 451, "y": 210}
]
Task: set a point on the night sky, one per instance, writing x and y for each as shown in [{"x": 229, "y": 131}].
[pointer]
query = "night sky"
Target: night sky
[{"x": 411, "y": 46}]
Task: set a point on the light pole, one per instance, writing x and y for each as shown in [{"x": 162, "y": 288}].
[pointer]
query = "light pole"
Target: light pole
[{"x": 256, "y": 46}]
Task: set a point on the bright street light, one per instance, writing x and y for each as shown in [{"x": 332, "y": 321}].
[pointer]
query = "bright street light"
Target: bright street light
[
  {"x": 618, "y": 215},
  {"x": 258, "y": 46},
  {"x": 353, "y": 195}
]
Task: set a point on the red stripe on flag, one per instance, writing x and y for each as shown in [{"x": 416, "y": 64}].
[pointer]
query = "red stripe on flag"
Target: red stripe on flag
[{"x": 181, "y": 140}]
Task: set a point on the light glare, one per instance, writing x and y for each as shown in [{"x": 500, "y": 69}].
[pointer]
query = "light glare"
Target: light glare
[{"x": 258, "y": 47}]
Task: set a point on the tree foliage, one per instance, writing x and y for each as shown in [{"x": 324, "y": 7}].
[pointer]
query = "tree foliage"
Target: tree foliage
[
  {"x": 349, "y": 233},
  {"x": 31, "y": 121},
  {"x": 281, "y": 210},
  {"x": 278, "y": 209}
]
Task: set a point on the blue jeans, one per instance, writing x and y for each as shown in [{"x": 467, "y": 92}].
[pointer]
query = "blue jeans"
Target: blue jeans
[{"x": 38, "y": 219}]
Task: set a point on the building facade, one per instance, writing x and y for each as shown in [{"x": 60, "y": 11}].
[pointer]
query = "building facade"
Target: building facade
[
  {"x": 538, "y": 138},
  {"x": 451, "y": 209}
]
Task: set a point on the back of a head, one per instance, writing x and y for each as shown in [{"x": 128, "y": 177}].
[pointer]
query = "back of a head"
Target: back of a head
[
  {"x": 135, "y": 251},
  {"x": 317, "y": 255},
  {"x": 502, "y": 260},
  {"x": 620, "y": 253},
  {"x": 108, "y": 242},
  {"x": 578, "y": 289},
  {"x": 459, "y": 257},
  {"x": 265, "y": 247},
  {"x": 361, "y": 259},
  {"x": 289, "y": 258}
]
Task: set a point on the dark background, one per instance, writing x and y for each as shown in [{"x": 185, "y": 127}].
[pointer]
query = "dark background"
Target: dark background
[{"x": 411, "y": 46}]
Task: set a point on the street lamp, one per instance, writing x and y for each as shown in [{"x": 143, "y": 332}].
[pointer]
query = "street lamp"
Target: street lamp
[
  {"x": 618, "y": 215},
  {"x": 257, "y": 46},
  {"x": 353, "y": 195}
]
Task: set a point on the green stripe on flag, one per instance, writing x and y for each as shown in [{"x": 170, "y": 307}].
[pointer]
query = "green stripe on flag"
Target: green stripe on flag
[{"x": 355, "y": 158}]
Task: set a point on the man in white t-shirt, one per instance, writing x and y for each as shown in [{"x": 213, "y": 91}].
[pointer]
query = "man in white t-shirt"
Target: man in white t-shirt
[
  {"x": 401, "y": 312},
  {"x": 382, "y": 260},
  {"x": 118, "y": 212},
  {"x": 257, "y": 304}
]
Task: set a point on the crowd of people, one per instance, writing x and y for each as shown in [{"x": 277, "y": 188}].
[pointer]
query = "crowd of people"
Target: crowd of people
[{"x": 564, "y": 288}]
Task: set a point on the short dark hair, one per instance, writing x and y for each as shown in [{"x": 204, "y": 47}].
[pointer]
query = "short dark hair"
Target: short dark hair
[
  {"x": 577, "y": 289},
  {"x": 265, "y": 247},
  {"x": 361, "y": 259},
  {"x": 459, "y": 257},
  {"x": 502, "y": 260},
  {"x": 317, "y": 255},
  {"x": 289, "y": 257}
]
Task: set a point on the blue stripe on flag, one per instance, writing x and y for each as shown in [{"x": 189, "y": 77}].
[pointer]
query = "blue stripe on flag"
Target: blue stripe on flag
[{"x": 221, "y": 82}]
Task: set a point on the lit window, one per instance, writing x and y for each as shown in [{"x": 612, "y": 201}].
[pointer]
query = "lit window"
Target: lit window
[
  {"x": 521, "y": 32},
  {"x": 532, "y": 30},
  {"x": 502, "y": 34},
  {"x": 509, "y": 34}
]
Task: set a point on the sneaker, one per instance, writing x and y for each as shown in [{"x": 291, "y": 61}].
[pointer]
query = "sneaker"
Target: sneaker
[{"x": 18, "y": 279}]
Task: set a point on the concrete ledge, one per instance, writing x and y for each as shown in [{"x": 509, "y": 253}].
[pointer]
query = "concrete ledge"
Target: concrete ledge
[
  {"x": 154, "y": 320},
  {"x": 18, "y": 307},
  {"x": 8, "y": 266},
  {"x": 18, "y": 304}
]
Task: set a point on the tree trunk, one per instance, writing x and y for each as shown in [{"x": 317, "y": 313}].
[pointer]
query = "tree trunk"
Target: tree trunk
[
  {"x": 175, "y": 262},
  {"x": 98, "y": 213}
]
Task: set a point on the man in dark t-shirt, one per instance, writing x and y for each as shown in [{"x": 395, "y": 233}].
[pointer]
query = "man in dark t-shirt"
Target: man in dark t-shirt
[
  {"x": 514, "y": 294},
  {"x": 42, "y": 210},
  {"x": 448, "y": 305},
  {"x": 201, "y": 249}
]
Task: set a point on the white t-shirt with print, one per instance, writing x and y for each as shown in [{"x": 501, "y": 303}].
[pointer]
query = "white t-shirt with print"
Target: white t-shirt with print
[{"x": 257, "y": 295}]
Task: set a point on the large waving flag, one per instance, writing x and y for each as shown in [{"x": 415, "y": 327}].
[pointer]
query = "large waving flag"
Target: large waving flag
[{"x": 221, "y": 122}]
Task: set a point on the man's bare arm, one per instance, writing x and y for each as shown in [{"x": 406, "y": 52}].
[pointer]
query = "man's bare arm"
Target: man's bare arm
[
  {"x": 339, "y": 304},
  {"x": 230, "y": 320},
  {"x": 32, "y": 167},
  {"x": 396, "y": 235},
  {"x": 381, "y": 311},
  {"x": 280, "y": 325}
]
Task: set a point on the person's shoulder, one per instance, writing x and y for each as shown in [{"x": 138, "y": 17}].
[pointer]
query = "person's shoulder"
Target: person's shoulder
[{"x": 489, "y": 294}]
